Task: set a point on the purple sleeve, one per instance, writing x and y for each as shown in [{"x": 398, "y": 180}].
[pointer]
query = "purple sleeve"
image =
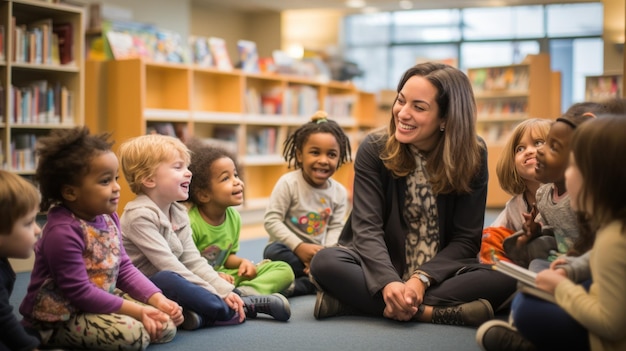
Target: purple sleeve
[
  {"x": 130, "y": 279},
  {"x": 62, "y": 250}
]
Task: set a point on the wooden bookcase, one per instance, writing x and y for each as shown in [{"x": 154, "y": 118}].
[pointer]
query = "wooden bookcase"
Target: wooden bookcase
[
  {"x": 505, "y": 96},
  {"x": 603, "y": 87},
  {"x": 250, "y": 113},
  {"x": 37, "y": 94},
  {"x": 33, "y": 78}
]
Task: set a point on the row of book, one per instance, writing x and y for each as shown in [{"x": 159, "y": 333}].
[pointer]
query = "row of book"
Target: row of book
[
  {"x": 40, "y": 42},
  {"x": 499, "y": 79},
  {"x": 496, "y": 133},
  {"x": 296, "y": 100},
  {"x": 40, "y": 102},
  {"x": 22, "y": 148},
  {"x": 127, "y": 39},
  {"x": 499, "y": 108},
  {"x": 262, "y": 141}
]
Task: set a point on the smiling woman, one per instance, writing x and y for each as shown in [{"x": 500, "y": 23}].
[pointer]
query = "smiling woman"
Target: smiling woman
[{"x": 409, "y": 249}]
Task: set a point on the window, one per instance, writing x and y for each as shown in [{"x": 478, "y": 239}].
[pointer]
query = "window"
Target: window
[
  {"x": 426, "y": 26},
  {"x": 503, "y": 22},
  {"x": 384, "y": 45},
  {"x": 368, "y": 29},
  {"x": 482, "y": 54},
  {"x": 574, "y": 20}
]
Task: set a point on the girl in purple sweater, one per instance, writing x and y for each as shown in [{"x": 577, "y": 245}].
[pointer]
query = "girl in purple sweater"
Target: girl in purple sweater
[{"x": 82, "y": 282}]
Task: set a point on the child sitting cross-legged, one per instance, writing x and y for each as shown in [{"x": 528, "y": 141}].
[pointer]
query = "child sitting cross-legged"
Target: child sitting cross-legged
[
  {"x": 158, "y": 238},
  {"x": 217, "y": 187}
]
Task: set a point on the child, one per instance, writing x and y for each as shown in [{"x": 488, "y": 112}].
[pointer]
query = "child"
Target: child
[
  {"x": 19, "y": 204},
  {"x": 582, "y": 319},
  {"x": 307, "y": 208},
  {"x": 157, "y": 236},
  {"x": 216, "y": 187},
  {"x": 72, "y": 298},
  {"x": 516, "y": 174},
  {"x": 553, "y": 202}
]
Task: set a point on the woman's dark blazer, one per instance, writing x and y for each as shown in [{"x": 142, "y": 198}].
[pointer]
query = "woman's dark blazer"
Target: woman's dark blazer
[{"x": 376, "y": 229}]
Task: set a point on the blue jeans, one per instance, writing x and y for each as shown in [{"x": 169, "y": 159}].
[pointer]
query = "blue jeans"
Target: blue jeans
[
  {"x": 190, "y": 296},
  {"x": 547, "y": 325}
]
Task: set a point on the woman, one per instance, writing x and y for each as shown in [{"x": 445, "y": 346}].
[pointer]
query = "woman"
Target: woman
[{"x": 409, "y": 249}]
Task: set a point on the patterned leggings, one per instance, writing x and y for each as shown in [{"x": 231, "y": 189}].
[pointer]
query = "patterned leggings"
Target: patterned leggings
[{"x": 104, "y": 332}]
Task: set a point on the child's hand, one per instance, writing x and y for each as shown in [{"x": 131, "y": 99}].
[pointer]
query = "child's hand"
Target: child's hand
[
  {"x": 531, "y": 228},
  {"x": 167, "y": 306},
  {"x": 227, "y": 277},
  {"x": 306, "y": 251},
  {"x": 154, "y": 321},
  {"x": 236, "y": 303},
  {"x": 548, "y": 279},
  {"x": 247, "y": 269}
]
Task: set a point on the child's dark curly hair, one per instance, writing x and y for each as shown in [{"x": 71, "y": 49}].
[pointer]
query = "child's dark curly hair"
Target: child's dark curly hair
[
  {"x": 202, "y": 157},
  {"x": 64, "y": 157},
  {"x": 319, "y": 124}
]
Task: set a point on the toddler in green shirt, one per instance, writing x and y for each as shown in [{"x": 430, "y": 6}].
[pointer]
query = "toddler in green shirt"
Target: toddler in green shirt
[{"x": 214, "y": 190}]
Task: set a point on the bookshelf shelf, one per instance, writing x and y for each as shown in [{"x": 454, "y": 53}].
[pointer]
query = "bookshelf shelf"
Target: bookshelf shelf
[
  {"x": 42, "y": 77},
  {"x": 251, "y": 114},
  {"x": 505, "y": 96}
]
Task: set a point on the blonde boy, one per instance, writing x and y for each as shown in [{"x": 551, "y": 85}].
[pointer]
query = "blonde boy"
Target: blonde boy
[{"x": 158, "y": 238}]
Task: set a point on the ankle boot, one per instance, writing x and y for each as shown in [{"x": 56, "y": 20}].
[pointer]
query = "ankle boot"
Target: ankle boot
[
  {"x": 275, "y": 305},
  {"x": 471, "y": 314}
]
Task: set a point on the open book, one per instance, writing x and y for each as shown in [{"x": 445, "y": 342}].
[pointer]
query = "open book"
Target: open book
[{"x": 525, "y": 277}]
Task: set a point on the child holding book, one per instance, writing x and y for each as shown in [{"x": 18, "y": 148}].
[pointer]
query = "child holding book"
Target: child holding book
[
  {"x": 516, "y": 174},
  {"x": 307, "y": 208},
  {"x": 214, "y": 191},
  {"x": 84, "y": 292},
  {"x": 582, "y": 318},
  {"x": 19, "y": 204},
  {"x": 157, "y": 237}
]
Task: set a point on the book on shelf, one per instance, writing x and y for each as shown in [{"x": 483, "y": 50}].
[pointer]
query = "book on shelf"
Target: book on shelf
[
  {"x": 169, "y": 47},
  {"x": 42, "y": 30},
  {"x": 126, "y": 39},
  {"x": 2, "y": 41},
  {"x": 65, "y": 37},
  {"x": 200, "y": 51},
  {"x": 248, "y": 56},
  {"x": 525, "y": 277},
  {"x": 220, "y": 54}
]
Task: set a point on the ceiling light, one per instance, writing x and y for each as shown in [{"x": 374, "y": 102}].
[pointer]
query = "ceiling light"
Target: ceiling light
[
  {"x": 355, "y": 4},
  {"x": 406, "y": 4}
]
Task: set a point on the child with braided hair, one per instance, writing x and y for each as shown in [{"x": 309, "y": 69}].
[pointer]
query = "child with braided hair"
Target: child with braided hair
[{"x": 307, "y": 208}]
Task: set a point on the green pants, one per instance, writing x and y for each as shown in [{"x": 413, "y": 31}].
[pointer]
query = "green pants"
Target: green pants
[{"x": 271, "y": 277}]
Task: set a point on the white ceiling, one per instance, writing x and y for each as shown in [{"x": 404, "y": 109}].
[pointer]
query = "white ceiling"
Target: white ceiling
[{"x": 382, "y": 5}]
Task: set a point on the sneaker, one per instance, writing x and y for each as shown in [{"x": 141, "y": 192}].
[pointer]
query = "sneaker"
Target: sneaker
[
  {"x": 192, "y": 320},
  {"x": 497, "y": 335},
  {"x": 471, "y": 314},
  {"x": 275, "y": 305},
  {"x": 288, "y": 292},
  {"x": 328, "y": 306}
]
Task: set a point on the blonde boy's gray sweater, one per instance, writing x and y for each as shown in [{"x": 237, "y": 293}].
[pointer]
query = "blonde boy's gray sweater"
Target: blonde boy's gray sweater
[{"x": 155, "y": 244}]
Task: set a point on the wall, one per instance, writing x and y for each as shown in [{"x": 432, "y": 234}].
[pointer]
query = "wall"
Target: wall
[
  {"x": 312, "y": 29},
  {"x": 262, "y": 28},
  {"x": 614, "y": 34},
  {"x": 165, "y": 14}
]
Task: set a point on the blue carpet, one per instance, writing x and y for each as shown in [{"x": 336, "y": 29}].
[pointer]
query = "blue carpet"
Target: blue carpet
[{"x": 304, "y": 332}]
